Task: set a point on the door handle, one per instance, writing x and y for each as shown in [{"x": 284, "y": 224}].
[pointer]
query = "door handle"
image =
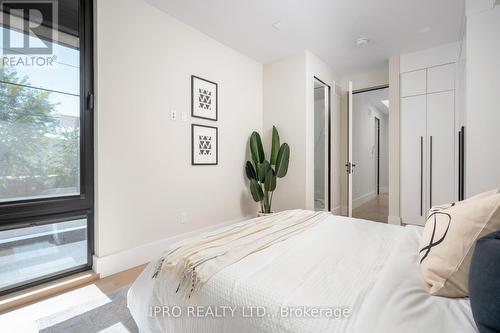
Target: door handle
[
  {"x": 430, "y": 172},
  {"x": 349, "y": 167},
  {"x": 421, "y": 176},
  {"x": 461, "y": 160}
]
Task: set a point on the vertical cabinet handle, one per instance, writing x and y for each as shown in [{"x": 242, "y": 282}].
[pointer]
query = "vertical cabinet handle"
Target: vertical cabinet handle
[
  {"x": 461, "y": 144},
  {"x": 421, "y": 176},
  {"x": 430, "y": 171}
]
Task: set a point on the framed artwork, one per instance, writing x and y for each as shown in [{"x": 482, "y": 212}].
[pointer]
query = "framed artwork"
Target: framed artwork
[
  {"x": 204, "y": 145},
  {"x": 203, "y": 98}
]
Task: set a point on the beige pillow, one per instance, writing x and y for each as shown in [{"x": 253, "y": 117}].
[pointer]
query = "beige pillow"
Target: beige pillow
[{"x": 448, "y": 241}]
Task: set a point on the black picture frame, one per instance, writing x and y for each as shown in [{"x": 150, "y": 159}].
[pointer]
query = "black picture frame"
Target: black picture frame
[
  {"x": 193, "y": 78},
  {"x": 193, "y": 126}
]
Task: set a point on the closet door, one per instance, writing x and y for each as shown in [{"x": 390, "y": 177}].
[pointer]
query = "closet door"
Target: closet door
[
  {"x": 441, "y": 147},
  {"x": 413, "y": 173}
]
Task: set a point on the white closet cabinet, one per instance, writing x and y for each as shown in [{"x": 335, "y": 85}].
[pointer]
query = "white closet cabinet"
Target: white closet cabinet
[
  {"x": 441, "y": 152},
  {"x": 413, "y": 158},
  {"x": 427, "y": 143}
]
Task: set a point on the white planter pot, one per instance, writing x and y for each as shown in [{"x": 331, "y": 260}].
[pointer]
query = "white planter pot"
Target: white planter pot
[{"x": 260, "y": 214}]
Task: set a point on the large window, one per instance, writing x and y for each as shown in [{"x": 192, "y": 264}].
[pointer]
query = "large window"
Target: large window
[{"x": 46, "y": 145}]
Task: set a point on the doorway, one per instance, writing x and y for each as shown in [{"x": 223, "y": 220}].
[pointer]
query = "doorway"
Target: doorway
[
  {"x": 321, "y": 146},
  {"x": 369, "y": 126}
]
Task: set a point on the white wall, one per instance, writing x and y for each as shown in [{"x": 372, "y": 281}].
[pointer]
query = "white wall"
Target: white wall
[
  {"x": 394, "y": 137},
  {"x": 144, "y": 177},
  {"x": 284, "y": 107},
  {"x": 374, "y": 78},
  {"x": 289, "y": 104},
  {"x": 482, "y": 116}
]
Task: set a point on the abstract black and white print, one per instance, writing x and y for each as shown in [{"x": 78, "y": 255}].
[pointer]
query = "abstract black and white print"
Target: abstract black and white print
[
  {"x": 204, "y": 145},
  {"x": 203, "y": 98}
]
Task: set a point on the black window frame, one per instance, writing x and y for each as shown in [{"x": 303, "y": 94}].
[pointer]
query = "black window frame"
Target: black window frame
[{"x": 33, "y": 212}]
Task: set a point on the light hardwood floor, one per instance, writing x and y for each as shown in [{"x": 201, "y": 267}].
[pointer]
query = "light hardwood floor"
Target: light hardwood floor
[
  {"x": 119, "y": 280},
  {"x": 81, "y": 292},
  {"x": 377, "y": 209}
]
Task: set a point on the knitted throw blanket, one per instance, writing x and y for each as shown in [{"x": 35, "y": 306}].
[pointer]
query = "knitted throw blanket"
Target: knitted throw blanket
[{"x": 195, "y": 260}]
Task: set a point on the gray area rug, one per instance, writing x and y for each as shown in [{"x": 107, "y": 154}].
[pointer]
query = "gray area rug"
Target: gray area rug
[{"x": 107, "y": 317}]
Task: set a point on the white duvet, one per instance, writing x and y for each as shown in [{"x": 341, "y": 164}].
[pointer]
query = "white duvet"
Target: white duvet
[{"x": 342, "y": 275}]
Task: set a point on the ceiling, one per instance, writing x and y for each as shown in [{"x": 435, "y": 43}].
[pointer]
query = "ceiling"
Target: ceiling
[{"x": 328, "y": 28}]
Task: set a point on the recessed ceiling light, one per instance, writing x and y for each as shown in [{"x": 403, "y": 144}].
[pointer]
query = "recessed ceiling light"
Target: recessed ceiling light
[
  {"x": 385, "y": 102},
  {"x": 362, "y": 42}
]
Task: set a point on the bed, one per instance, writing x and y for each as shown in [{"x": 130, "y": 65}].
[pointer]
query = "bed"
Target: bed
[{"x": 341, "y": 275}]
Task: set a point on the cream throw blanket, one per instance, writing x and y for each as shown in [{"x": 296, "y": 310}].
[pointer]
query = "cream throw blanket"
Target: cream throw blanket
[{"x": 195, "y": 260}]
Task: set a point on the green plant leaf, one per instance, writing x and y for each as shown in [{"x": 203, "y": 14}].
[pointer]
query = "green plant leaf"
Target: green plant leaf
[
  {"x": 256, "y": 148},
  {"x": 264, "y": 167},
  {"x": 256, "y": 190},
  {"x": 250, "y": 170},
  {"x": 270, "y": 182},
  {"x": 275, "y": 146},
  {"x": 282, "y": 160}
]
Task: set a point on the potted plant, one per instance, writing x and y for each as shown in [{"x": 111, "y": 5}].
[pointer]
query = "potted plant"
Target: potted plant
[{"x": 263, "y": 173}]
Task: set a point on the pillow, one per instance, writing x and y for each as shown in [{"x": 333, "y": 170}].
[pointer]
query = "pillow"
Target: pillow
[
  {"x": 484, "y": 283},
  {"x": 448, "y": 239}
]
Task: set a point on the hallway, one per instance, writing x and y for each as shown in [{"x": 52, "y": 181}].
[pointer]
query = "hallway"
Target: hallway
[{"x": 377, "y": 209}]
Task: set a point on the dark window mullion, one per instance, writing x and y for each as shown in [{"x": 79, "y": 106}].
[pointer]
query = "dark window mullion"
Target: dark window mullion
[
  {"x": 26, "y": 210},
  {"x": 86, "y": 114}
]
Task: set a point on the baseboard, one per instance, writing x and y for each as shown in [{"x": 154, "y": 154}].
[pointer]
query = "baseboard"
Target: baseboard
[
  {"x": 123, "y": 260},
  {"x": 363, "y": 199},
  {"x": 336, "y": 210},
  {"x": 383, "y": 189},
  {"x": 396, "y": 220}
]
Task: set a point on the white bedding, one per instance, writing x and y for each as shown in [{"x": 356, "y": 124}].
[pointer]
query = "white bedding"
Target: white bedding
[{"x": 370, "y": 269}]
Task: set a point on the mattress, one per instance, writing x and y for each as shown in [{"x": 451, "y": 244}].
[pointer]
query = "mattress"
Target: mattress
[{"x": 342, "y": 275}]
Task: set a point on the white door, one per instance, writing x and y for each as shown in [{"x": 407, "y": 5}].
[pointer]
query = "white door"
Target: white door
[
  {"x": 349, "y": 164},
  {"x": 413, "y": 159},
  {"x": 441, "y": 147}
]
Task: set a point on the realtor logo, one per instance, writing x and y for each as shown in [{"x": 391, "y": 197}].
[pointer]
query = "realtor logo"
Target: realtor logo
[{"x": 28, "y": 26}]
